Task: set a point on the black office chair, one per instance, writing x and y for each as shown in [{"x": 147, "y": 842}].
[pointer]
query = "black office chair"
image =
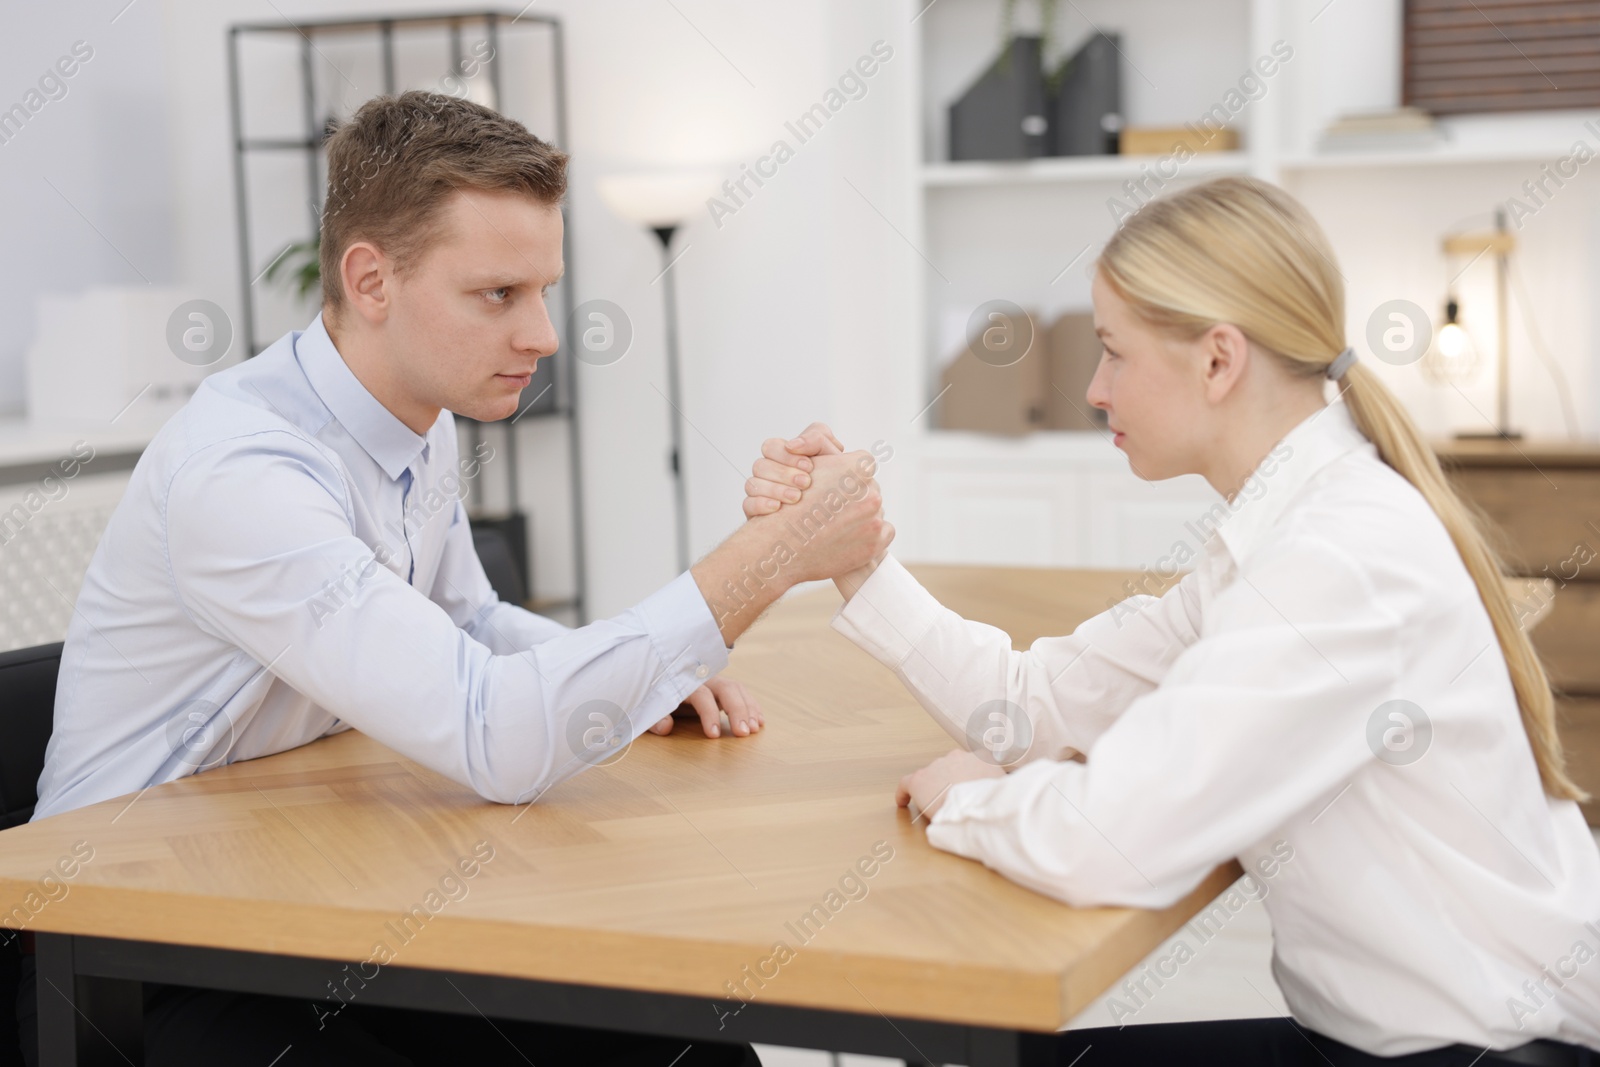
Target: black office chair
[
  {"x": 500, "y": 565},
  {"x": 27, "y": 706}
]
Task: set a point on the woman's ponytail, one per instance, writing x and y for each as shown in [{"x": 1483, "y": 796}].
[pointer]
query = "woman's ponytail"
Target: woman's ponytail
[{"x": 1379, "y": 415}]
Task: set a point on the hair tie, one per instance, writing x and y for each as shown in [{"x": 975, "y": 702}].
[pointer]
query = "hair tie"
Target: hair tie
[{"x": 1343, "y": 362}]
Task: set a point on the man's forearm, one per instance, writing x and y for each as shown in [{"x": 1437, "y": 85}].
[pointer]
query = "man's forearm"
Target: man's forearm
[{"x": 741, "y": 578}]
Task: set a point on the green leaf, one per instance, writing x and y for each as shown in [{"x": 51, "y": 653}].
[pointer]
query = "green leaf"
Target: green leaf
[{"x": 298, "y": 266}]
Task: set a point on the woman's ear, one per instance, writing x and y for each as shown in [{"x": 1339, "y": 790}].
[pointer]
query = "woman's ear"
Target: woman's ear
[{"x": 1226, "y": 354}]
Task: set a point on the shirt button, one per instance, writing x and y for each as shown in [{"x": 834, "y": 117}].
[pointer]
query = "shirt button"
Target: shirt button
[{"x": 701, "y": 671}]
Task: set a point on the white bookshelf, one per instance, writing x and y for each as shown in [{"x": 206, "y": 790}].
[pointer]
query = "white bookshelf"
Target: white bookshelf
[
  {"x": 1442, "y": 156},
  {"x": 1069, "y": 170},
  {"x": 1007, "y": 229}
]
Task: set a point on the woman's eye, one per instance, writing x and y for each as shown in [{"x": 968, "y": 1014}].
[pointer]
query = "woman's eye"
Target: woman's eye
[{"x": 497, "y": 296}]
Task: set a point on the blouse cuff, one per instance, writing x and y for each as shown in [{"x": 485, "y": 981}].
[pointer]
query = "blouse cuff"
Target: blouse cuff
[{"x": 887, "y": 614}]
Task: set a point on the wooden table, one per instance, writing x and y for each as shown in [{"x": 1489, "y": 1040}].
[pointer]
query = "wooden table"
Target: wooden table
[{"x": 630, "y": 897}]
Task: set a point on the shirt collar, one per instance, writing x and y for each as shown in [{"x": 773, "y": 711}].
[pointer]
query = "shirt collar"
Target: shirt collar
[
  {"x": 390, "y": 442},
  {"x": 1319, "y": 440}
]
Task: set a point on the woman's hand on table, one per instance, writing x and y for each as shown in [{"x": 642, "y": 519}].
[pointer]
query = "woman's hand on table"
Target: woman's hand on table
[{"x": 922, "y": 792}]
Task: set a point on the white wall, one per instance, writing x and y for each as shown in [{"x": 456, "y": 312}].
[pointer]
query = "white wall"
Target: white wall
[
  {"x": 799, "y": 307},
  {"x": 85, "y": 194}
]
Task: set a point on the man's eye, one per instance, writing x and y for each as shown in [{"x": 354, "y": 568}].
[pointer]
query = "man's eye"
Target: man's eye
[{"x": 497, "y": 296}]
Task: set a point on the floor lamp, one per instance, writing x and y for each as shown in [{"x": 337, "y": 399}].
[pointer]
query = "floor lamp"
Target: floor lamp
[{"x": 661, "y": 201}]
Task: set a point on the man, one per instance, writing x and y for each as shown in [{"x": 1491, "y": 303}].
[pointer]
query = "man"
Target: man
[{"x": 292, "y": 558}]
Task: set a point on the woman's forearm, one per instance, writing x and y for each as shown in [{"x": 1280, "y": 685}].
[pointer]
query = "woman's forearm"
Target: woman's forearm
[{"x": 847, "y": 584}]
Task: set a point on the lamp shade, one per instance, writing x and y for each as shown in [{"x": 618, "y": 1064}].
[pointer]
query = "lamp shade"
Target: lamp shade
[{"x": 658, "y": 198}]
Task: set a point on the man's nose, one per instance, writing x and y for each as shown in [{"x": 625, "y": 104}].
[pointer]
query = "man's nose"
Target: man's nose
[{"x": 537, "y": 334}]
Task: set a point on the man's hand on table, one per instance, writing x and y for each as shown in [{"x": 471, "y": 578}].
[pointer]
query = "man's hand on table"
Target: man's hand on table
[{"x": 709, "y": 702}]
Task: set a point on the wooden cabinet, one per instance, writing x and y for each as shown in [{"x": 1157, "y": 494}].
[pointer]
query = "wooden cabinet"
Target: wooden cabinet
[
  {"x": 1579, "y": 717},
  {"x": 1569, "y": 640},
  {"x": 1542, "y": 503}
]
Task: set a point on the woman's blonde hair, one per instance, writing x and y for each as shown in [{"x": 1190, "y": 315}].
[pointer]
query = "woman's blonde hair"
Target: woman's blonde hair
[{"x": 1242, "y": 251}]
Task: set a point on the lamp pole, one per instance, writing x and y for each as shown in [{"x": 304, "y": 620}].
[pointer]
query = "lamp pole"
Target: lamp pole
[
  {"x": 1503, "y": 327},
  {"x": 661, "y": 201},
  {"x": 674, "y": 393}
]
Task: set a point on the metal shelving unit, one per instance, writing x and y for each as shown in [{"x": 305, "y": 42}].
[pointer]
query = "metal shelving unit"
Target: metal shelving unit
[{"x": 550, "y": 394}]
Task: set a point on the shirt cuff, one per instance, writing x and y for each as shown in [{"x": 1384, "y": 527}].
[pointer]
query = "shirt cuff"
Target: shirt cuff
[
  {"x": 888, "y": 614},
  {"x": 970, "y": 807},
  {"x": 686, "y": 638}
]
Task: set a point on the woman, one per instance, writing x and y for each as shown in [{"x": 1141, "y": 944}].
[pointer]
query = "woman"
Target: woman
[{"x": 1338, "y": 694}]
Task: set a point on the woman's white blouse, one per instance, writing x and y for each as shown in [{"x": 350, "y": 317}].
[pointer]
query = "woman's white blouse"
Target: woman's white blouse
[{"x": 1323, "y": 698}]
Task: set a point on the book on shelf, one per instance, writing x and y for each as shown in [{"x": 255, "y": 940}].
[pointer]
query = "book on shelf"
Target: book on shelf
[{"x": 1400, "y": 129}]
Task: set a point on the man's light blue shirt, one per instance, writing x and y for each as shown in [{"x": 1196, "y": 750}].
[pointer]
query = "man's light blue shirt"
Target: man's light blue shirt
[{"x": 291, "y": 560}]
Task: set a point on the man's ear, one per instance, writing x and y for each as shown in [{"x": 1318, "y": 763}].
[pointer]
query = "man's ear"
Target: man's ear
[
  {"x": 368, "y": 278},
  {"x": 1226, "y": 352}
]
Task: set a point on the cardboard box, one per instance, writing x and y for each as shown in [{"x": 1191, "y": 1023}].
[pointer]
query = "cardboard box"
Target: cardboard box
[
  {"x": 1045, "y": 390},
  {"x": 1007, "y": 400},
  {"x": 1074, "y": 353},
  {"x": 1163, "y": 140}
]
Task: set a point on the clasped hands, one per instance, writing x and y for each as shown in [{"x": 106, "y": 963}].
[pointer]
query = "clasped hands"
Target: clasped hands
[
  {"x": 808, "y": 489},
  {"x": 835, "y": 529},
  {"x": 779, "y": 480},
  {"x": 812, "y": 471}
]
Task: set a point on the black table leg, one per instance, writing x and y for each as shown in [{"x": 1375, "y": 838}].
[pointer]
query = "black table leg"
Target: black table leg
[
  {"x": 1011, "y": 1048},
  {"x": 84, "y": 1021}
]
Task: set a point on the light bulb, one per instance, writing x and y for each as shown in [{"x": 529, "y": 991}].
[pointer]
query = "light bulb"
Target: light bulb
[{"x": 1452, "y": 357}]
